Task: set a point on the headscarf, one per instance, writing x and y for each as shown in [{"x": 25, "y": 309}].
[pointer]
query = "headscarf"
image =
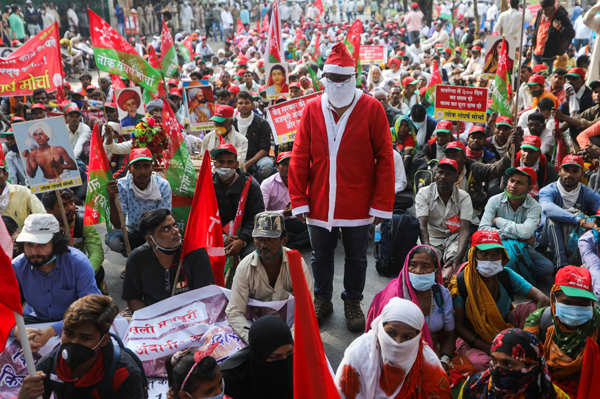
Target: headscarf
[
  {"x": 498, "y": 382},
  {"x": 400, "y": 287},
  {"x": 411, "y": 128},
  {"x": 375, "y": 366},
  {"x": 269, "y": 379},
  {"x": 480, "y": 307}
]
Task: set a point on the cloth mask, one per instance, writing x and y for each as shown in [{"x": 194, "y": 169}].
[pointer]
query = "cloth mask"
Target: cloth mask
[
  {"x": 489, "y": 268},
  {"x": 572, "y": 315},
  {"x": 224, "y": 173},
  {"x": 401, "y": 355},
  {"x": 422, "y": 282},
  {"x": 340, "y": 94},
  {"x": 505, "y": 380},
  {"x": 150, "y": 193}
]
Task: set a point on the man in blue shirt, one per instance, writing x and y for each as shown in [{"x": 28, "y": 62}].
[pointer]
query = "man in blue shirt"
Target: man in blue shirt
[
  {"x": 565, "y": 204},
  {"x": 515, "y": 215},
  {"x": 139, "y": 191},
  {"x": 51, "y": 275}
]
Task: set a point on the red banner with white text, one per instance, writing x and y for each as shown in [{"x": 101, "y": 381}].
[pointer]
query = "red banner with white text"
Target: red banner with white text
[{"x": 35, "y": 65}]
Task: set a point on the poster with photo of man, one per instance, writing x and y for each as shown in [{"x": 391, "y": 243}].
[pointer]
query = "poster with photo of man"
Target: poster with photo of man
[
  {"x": 199, "y": 103},
  {"x": 46, "y": 154},
  {"x": 130, "y": 107}
]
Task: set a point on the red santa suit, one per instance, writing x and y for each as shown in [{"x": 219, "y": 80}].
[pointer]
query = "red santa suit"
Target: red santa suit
[{"x": 342, "y": 168}]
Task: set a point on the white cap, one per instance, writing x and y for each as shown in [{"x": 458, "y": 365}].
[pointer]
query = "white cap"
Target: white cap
[{"x": 39, "y": 228}]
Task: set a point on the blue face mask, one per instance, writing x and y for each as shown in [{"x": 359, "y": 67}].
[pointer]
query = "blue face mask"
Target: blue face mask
[
  {"x": 572, "y": 315},
  {"x": 422, "y": 282}
]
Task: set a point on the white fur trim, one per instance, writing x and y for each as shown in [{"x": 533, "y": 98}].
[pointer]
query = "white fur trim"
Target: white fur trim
[
  {"x": 380, "y": 214},
  {"x": 335, "y": 133},
  {"x": 300, "y": 210},
  {"x": 339, "y": 222},
  {"x": 332, "y": 68}
]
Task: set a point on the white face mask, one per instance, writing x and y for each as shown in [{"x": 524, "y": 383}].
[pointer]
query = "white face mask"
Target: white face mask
[
  {"x": 489, "y": 268},
  {"x": 224, "y": 173},
  {"x": 417, "y": 124},
  {"x": 340, "y": 94}
]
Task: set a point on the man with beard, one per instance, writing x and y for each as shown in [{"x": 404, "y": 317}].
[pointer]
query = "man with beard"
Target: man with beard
[
  {"x": 565, "y": 205},
  {"x": 85, "y": 238},
  {"x": 263, "y": 275},
  {"x": 152, "y": 268},
  {"x": 475, "y": 145},
  {"x": 445, "y": 213},
  {"x": 51, "y": 276},
  {"x": 17, "y": 201},
  {"x": 141, "y": 190}
]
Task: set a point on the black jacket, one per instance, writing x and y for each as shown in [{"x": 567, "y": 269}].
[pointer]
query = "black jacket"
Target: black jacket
[
  {"x": 258, "y": 135},
  {"x": 558, "y": 39}
]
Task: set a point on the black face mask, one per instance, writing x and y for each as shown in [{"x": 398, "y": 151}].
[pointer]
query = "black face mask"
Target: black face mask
[
  {"x": 76, "y": 354},
  {"x": 166, "y": 251}
]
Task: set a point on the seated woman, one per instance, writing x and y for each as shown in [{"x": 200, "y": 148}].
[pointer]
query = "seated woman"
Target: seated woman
[
  {"x": 565, "y": 325},
  {"x": 517, "y": 370},
  {"x": 417, "y": 283},
  {"x": 265, "y": 368},
  {"x": 392, "y": 359},
  {"x": 482, "y": 293},
  {"x": 194, "y": 374}
]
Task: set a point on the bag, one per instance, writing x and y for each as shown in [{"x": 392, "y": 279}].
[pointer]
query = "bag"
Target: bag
[{"x": 398, "y": 236}]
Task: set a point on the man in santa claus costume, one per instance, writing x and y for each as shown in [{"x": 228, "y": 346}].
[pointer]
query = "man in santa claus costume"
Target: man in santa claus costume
[{"x": 341, "y": 176}]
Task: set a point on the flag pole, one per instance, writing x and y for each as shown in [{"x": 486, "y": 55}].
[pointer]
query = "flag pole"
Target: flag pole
[
  {"x": 22, "y": 332},
  {"x": 518, "y": 85},
  {"x": 63, "y": 216}
]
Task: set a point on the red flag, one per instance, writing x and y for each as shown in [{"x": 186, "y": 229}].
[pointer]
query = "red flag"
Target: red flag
[
  {"x": 317, "y": 52},
  {"x": 10, "y": 295},
  {"x": 353, "y": 38},
  {"x": 265, "y": 24},
  {"x": 155, "y": 63},
  {"x": 319, "y": 5},
  {"x": 312, "y": 377},
  {"x": 187, "y": 43},
  {"x": 205, "y": 229},
  {"x": 589, "y": 380},
  {"x": 240, "y": 27},
  {"x": 298, "y": 38},
  {"x": 96, "y": 200}
]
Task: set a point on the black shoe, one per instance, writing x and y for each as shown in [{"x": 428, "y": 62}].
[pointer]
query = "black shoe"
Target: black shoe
[{"x": 323, "y": 309}]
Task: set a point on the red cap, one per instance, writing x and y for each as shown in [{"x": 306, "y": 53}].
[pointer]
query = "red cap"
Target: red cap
[
  {"x": 67, "y": 85},
  {"x": 572, "y": 160},
  {"x": 576, "y": 72},
  {"x": 110, "y": 105},
  {"x": 139, "y": 154},
  {"x": 72, "y": 108},
  {"x": 476, "y": 48},
  {"x": 234, "y": 89},
  {"x": 502, "y": 120},
  {"x": 575, "y": 282},
  {"x": 539, "y": 68},
  {"x": 450, "y": 162},
  {"x": 282, "y": 156},
  {"x": 175, "y": 92},
  {"x": 532, "y": 142},
  {"x": 17, "y": 119},
  {"x": 409, "y": 80},
  {"x": 38, "y": 106},
  {"x": 222, "y": 112},
  {"x": 524, "y": 170},
  {"x": 486, "y": 239},
  {"x": 476, "y": 129},
  {"x": 444, "y": 126},
  {"x": 173, "y": 82},
  {"x": 296, "y": 85},
  {"x": 536, "y": 80},
  {"x": 90, "y": 87},
  {"x": 225, "y": 147},
  {"x": 458, "y": 49},
  {"x": 455, "y": 145},
  {"x": 414, "y": 5}
]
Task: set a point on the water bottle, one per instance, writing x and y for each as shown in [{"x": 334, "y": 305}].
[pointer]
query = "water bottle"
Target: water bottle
[{"x": 377, "y": 236}]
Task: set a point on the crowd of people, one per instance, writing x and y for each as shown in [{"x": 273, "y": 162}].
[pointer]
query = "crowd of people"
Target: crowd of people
[{"x": 488, "y": 231}]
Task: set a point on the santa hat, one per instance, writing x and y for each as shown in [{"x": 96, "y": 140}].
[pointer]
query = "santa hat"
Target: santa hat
[{"x": 339, "y": 61}]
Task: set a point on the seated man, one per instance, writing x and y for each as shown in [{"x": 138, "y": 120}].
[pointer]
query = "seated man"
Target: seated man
[
  {"x": 537, "y": 126},
  {"x": 51, "y": 276},
  {"x": 84, "y": 364},
  {"x": 276, "y": 197},
  {"x": 515, "y": 215},
  {"x": 141, "y": 190},
  {"x": 530, "y": 155},
  {"x": 565, "y": 325},
  {"x": 17, "y": 201},
  {"x": 151, "y": 268},
  {"x": 263, "y": 275},
  {"x": 499, "y": 142},
  {"x": 258, "y": 133},
  {"x": 476, "y": 150},
  {"x": 225, "y": 132},
  {"x": 434, "y": 147},
  {"x": 565, "y": 204},
  {"x": 235, "y": 189},
  {"x": 85, "y": 238},
  {"x": 589, "y": 249},
  {"x": 445, "y": 212},
  {"x": 482, "y": 294}
]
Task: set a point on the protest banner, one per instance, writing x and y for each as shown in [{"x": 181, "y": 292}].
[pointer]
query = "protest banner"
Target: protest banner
[
  {"x": 130, "y": 108},
  {"x": 12, "y": 362},
  {"x": 284, "y": 118},
  {"x": 192, "y": 319},
  {"x": 199, "y": 104},
  {"x": 460, "y": 103},
  {"x": 6, "y": 51},
  {"x": 46, "y": 153},
  {"x": 373, "y": 54},
  {"x": 35, "y": 65}
]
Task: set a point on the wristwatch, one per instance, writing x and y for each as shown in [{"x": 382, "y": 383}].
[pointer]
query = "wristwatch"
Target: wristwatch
[{"x": 445, "y": 359}]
